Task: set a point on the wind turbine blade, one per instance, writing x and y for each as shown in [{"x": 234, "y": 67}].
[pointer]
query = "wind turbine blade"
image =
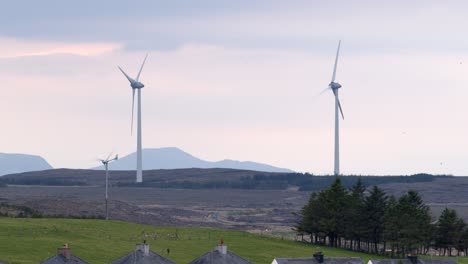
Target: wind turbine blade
[
  {"x": 133, "y": 106},
  {"x": 128, "y": 77},
  {"x": 339, "y": 106},
  {"x": 317, "y": 95},
  {"x": 143, "y": 64},
  {"x": 336, "y": 61},
  {"x": 325, "y": 90},
  {"x": 108, "y": 156}
]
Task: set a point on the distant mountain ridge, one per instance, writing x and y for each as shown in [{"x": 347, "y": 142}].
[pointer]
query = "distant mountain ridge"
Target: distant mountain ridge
[
  {"x": 175, "y": 158},
  {"x": 16, "y": 163}
]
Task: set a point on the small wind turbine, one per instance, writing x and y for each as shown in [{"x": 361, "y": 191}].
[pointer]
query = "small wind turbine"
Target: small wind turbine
[
  {"x": 334, "y": 86},
  {"x": 105, "y": 162},
  {"x": 137, "y": 85}
]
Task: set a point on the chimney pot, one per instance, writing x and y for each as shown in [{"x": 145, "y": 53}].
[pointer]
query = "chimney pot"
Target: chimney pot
[
  {"x": 64, "y": 252},
  {"x": 221, "y": 248},
  {"x": 143, "y": 248}
]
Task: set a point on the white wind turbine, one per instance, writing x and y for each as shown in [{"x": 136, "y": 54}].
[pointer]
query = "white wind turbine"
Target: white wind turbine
[
  {"x": 137, "y": 85},
  {"x": 334, "y": 86},
  {"x": 105, "y": 162}
]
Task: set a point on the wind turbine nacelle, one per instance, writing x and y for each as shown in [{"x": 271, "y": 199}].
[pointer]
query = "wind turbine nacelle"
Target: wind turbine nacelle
[
  {"x": 137, "y": 85},
  {"x": 335, "y": 85}
]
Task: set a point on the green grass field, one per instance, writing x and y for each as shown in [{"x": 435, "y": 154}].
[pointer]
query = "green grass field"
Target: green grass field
[{"x": 99, "y": 241}]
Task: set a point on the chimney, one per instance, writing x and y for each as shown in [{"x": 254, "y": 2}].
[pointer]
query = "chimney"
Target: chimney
[
  {"x": 413, "y": 258},
  {"x": 221, "y": 248},
  {"x": 64, "y": 251},
  {"x": 319, "y": 257},
  {"x": 143, "y": 248}
]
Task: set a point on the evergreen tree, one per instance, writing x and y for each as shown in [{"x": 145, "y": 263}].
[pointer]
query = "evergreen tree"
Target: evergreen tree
[
  {"x": 356, "y": 223},
  {"x": 450, "y": 231},
  {"x": 464, "y": 242},
  {"x": 414, "y": 220},
  {"x": 310, "y": 218},
  {"x": 374, "y": 207},
  {"x": 392, "y": 225},
  {"x": 334, "y": 202}
]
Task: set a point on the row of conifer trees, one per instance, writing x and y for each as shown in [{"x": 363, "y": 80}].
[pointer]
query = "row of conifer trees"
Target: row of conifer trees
[{"x": 374, "y": 222}]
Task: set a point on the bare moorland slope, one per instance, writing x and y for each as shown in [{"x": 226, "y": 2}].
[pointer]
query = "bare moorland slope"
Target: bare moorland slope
[{"x": 225, "y": 198}]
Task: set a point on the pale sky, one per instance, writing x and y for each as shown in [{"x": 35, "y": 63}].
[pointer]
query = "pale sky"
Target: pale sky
[{"x": 239, "y": 80}]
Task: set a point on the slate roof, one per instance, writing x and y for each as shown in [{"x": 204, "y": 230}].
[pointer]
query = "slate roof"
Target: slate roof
[
  {"x": 326, "y": 260},
  {"x": 59, "y": 259},
  {"x": 137, "y": 257},
  {"x": 407, "y": 261},
  {"x": 216, "y": 257}
]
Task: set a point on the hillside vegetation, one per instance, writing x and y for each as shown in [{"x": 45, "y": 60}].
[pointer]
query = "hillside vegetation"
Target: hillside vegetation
[
  {"x": 216, "y": 178},
  {"x": 29, "y": 241}
]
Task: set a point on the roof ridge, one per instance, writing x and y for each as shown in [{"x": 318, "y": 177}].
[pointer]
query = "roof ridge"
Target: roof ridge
[
  {"x": 229, "y": 251},
  {"x": 133, "y": 253},
  {"x": 63, "y": 258}
]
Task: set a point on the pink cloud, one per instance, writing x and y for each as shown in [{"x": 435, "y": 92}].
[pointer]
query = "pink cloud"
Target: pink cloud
[{"x": 10, "y": 48}]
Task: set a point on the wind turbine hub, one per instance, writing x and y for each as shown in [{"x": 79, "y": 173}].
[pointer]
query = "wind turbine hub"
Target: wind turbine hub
[
  {"x": 137, "y": 85},
  {"x": 335, "y": 85}
]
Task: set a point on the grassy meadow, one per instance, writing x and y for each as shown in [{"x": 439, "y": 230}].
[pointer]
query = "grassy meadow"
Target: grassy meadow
[{"x": 28, "y": 241}]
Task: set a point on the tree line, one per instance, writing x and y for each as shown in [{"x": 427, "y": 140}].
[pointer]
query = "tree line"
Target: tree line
[
  {"x": 374, "y": 222},
  {"x": 280, "y": 181},
  {"x": 237, "y": 179}
]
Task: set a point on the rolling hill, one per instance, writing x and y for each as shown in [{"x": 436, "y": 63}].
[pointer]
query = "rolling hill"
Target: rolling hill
[
  {"x": 175, "y": 158},
  {"x": 16, "y": 163}
]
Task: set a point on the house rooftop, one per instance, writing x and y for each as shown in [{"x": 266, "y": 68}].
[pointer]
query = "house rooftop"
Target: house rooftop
[
  {"x": 408, "y": 261},
  {"x": 220, "y": 255},
  {"x": 313, "y": 260},
  {"x": 64, "y": 255},
  {"x": 58, "y": 259},
  {"x": 143, "y": 255}
]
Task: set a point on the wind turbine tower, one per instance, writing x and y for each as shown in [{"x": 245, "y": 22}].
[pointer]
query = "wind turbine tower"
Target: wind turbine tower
[
  {"x": 137, "y": 85},
  {"x": 105, "y": 162},
  {"x": 334, "y": 86}
]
